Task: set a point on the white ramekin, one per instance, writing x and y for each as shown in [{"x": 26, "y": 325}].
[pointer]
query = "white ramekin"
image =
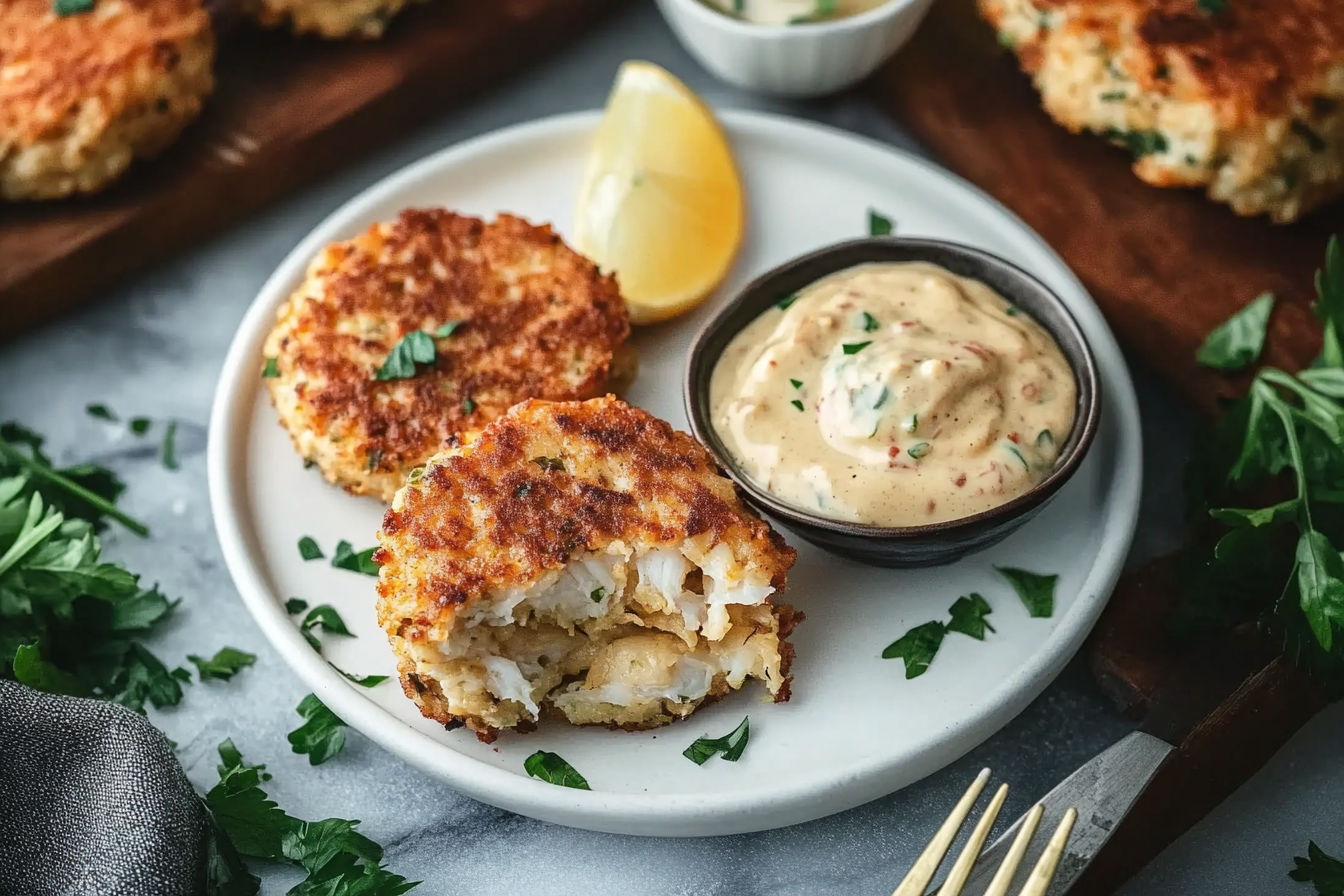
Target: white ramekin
[{"x": 794, "y": 60}]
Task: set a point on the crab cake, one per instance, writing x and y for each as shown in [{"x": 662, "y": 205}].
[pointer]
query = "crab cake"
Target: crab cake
[
  {"x": 583, "y": 559},
  {"x": 84, "y": 94},
  {"x": 1246, "y": 102},
  {"x": 332, "y": 19},
  {"x": 511, "y": 313}
]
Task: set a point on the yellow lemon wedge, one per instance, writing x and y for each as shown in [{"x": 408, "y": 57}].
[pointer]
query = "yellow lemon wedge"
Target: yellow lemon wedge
[{"x": 661, "y": 203}]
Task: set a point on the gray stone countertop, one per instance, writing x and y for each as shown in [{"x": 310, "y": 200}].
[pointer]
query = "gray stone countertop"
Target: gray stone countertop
[{"x": 154, "y": 347}]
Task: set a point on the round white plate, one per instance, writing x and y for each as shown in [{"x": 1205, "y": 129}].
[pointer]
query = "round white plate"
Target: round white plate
[{"x": 856, "y": 729}]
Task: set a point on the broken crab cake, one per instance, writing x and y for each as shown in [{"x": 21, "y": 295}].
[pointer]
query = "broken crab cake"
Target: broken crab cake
[
  {"x": 507, "y": 310},
  {"x": 585, "y": 560}
]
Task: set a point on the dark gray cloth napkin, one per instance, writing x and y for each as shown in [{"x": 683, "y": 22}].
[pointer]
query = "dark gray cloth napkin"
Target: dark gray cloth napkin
[{"x": 93, "y": 802}]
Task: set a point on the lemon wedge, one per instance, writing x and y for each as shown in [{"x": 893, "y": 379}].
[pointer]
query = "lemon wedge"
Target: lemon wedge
[{"x": 661, "y": 203}]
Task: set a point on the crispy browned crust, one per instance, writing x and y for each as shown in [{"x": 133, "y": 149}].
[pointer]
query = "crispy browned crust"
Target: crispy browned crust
[
  {"x": 486, "y": 513},
  {"x": 52, "y": 66},
  {"x": 538, "y": 320},
  {"x": 1257, "y": 58}
]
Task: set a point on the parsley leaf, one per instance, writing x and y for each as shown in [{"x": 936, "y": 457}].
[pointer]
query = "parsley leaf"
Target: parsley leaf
[
  {"x": 730, "y": 746},
  {"x": 919, "y": 449},
  {"x": 784, "y": 303},
  {"x": 798, "y": 404},
  {"x": 917, "y": 647},
  {"x": 364, "y": 681},
  {"x": 1037, "y": 591},
  {"x": 597, "y": 595},
  {"x": 870, "y": 323},
  {"x": 1330, "y": 304},
  {"x": 853, "y": 348},
  {"x": 468, "y": 406},
  {"x": 321, "y": 736},
  {"x": 1139, "y": 143},
  {"x": 271, "y": 370},
  {"x": 85, "y": 491},
  {"x": 552, "y": 769},
  {"x": 1320, "y": 869},
  {"x": 1238, "y": 341},
  {"x": 295, "y": 605},
  {"x": 324, "y": 617},
  {"x": 100, "y": 412},
  {"x": 223, "y": 665},
  {"x": 169, "y": 449},
  {"x": 309, "y": 549},
  {"x": 40, "y": 675},
  {"x": 879, "y": 224},
  {"x": 416, "y": 347},
  {"x": 141, "y": 425},
  {"x": 447, "y": 329},
  {"x": 968, "y": 616},
  {"x": 346, "y": 558},
  {"x": 71, "y": 7}
]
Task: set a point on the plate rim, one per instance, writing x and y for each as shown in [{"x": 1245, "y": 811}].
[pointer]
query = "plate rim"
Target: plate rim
[{"x": 633, "y": 813}]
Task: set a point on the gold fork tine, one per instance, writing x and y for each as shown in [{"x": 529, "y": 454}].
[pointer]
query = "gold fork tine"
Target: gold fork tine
[
  {"x": 956, "y": 878},
  {"x": 1004, "y": 876},
  {"x": 1044, "y": 872},
  {"x": 927, "y": 864}
]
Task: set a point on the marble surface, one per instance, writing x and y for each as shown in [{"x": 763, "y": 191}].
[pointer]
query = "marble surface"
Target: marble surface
[{"x": 154, "y": 347}]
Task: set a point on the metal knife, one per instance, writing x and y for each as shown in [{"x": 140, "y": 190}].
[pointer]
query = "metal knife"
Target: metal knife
[{"x": 1102, "y": 791}]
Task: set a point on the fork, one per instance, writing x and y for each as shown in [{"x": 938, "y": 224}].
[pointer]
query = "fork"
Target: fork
[{"x": 1037, "y": 882}]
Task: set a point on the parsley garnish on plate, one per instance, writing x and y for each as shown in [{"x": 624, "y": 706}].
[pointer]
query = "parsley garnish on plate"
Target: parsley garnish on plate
[
  {"x": 309, "y": 549},
  {"x": 140, "y": 425},
  {"x": 879, "y": 224},
  {"x": 295, "y": 605},
  {"x": 346, "y": 558},
  {"x": 968, "y": 616},
  {"x": 339, "y": 860},
  {"x": 917, "y": 647},
  {"x": 322, "y": 734},
  {"x": 730, "y": 747},
  {"x": 798, "y": 404},
  {"x": 1238, "y": 341},
  {"x": 1321, "y": 869},
  {"x": 1037, "y": 591},
  {"x": 168, "y": 452},
  {"x": 324, "y": 617},
  {"x": 225, "y": 664},
  {"x": 853, "y": 348},
  {"x": 416, "y": 347},
  {"x": 553, "y": 769},
  {"x": 797, "y": 384},
  {"x": 364, "y": 681},
  {"x": 101, "y": 412}
]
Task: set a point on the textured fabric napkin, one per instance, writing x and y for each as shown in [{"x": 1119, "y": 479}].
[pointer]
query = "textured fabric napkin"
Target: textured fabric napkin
[{"x": 93, "y": 802}]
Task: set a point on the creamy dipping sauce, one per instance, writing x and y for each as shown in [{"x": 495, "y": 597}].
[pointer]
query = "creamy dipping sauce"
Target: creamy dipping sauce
[
  {"x": 894, "y": 395},
  {"x": 792, "y": 12}
]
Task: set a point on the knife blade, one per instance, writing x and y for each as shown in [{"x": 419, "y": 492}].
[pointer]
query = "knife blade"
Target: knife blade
[{"x": 1102, "y": 791}]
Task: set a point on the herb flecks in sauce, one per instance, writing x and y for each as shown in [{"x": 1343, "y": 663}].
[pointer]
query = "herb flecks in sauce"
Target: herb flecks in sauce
[{"x": 909, "y": 426}]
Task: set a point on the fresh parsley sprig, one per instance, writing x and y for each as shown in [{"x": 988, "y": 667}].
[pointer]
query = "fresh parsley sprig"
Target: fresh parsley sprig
[
  {"x": 730, "y": 747},
  {"x": 1320, "y": 869}
]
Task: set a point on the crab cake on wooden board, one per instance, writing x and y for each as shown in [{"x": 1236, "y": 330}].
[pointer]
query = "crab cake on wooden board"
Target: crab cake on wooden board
[
  {"x": 1242, "y": 98},
  {"x": 332, "y": 19},
  {"x": 83, "y": 94},
  {"x": 501, "y": 312},
  {"x": 585, "y": 559}
]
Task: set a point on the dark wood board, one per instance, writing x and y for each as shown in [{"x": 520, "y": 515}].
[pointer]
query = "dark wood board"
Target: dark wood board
[
  {"x": 285, "y": 113},
  {"x": 1166, "y": 266}
]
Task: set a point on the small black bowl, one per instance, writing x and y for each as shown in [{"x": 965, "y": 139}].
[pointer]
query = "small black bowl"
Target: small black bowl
[{"x": 906, "y": 546}]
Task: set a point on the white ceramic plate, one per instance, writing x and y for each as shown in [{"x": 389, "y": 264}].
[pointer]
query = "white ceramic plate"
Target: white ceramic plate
[{"x": 856, "y": 729}]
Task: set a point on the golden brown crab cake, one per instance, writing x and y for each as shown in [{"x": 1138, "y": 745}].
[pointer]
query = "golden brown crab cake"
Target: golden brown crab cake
[
  {"x": 1243, "y": 98},
  {"x": 331, "y": 19},
  {"x": 529, "y": 318},
  {"x": 84, "y": 94},
  {"x": 583, "y": 559}
]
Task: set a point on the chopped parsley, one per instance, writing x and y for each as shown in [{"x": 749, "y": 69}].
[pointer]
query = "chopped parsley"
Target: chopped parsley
[
  {"x": 730, "y": 747},
  {"x": 1037, "y": 591},
  {"x": 797, "y": 384},
  {"x": 447, "y": 329},
  {"x": 918, "y": 450},
  {"x": 346, "y": 558},
  {"x": 1012, "y": 449},
  {"x": 416, "y": 347},
  {"x": 917, "y": 647},
  {"x": 869, "y": 323},
  {"x": 168, "y": 452},
  {"x": 598, "y": 594},
  {"x": 853, "y": 348},
  {"x": 912, "y": 424},
  {"x": 1012, "y": 311},
  {"x": 468, "y": 406},
  {"x": 1321, "y": 869},
  {"x": 417, "y": 473},
  {"x": 101, "y": 412},
  {"x": 784, "y": 303},
  {"x": 798, "y": 404},
  {"x": 226, "y": 663},
  {"x": 364, "y": 681},
  {"x": 325, "y": 617},
  {"x": 272, "y": 368},
  {"x": 1139, "y": 143},
  {"x": 879, "y": 224},
  {"x": 140, "y": 425},
  {"x": 968, "y": 616},
  {"x": 1114, "y": 96},
  {"x": 295, "y": 605},
  {"x": 1211, "y": 7},
  {"x": 322, "y": 734},
  {"x": 552, "y": 769},
  {"x": 71, "y": 7},
  {"x": 309, "y": 549},
  {"x": 1237, "y": 342},
  {"x": 550, "y": 464}
]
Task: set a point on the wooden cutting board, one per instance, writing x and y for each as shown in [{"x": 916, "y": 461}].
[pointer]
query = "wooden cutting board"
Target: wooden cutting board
[
  {"x": 286, "y": 112},
  {"x": 1166, "y": 267}
]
